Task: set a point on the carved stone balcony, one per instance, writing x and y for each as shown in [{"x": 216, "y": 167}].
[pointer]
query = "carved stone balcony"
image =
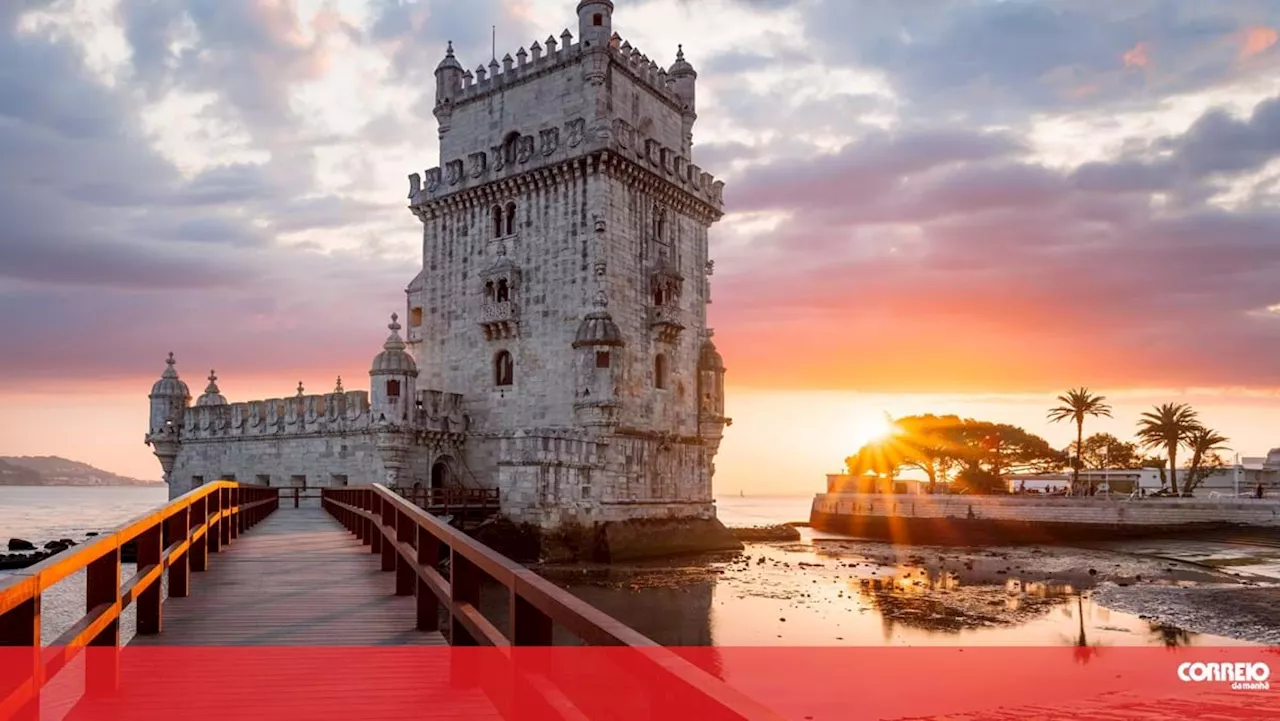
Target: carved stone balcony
[
  {"x": 665, "y": 321},
  {"x": 500, "y": 320}
]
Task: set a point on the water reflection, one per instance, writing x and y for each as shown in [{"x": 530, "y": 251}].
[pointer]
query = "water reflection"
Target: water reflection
[
  {"x": 1169, "y": 636},
  {"x": 824, "y": 595}
]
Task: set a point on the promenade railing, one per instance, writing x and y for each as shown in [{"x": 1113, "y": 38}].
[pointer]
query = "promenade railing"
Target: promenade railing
[
  {"x": 415, "y": 545},
  {"x": 175, "y": 539}
]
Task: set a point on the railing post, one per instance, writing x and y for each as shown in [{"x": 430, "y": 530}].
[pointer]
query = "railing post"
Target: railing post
[
  {"x": 529, "y": 626},
  {"x": 180, "y": 567},
  {"x": 102, "y": 586},
  {"x": 388, "y": 547},
  {"x": 429, "y": 556},
  {"x": 364, "y": 502},
  {"x": 375, "y": 527},
  {"x": 356, "y": 521},
  {"x": 297, "y": 496},
  {"x": 464, "y": 583},
  {"x": 224, "y": 504},
  {"x": 150, "y": 545},
  {"x": 406, "y": 573},
  {"x": 213, "y": 507},
  {"x": 200, "y": 547},
  {"x": 237, "y": 518},
  {"x": 20, "y": 627}
]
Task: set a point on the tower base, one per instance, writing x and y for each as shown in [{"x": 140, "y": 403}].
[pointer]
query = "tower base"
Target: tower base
[{"x": 608, "y": 542}]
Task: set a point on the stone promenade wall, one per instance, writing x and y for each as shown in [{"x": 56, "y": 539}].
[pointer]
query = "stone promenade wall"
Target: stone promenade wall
[{"x": 1022, "y": 519}]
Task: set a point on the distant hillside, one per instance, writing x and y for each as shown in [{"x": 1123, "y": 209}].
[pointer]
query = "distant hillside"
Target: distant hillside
[
  {"x": 55, "y": 471},
  {"x": 11, "y": 475}
]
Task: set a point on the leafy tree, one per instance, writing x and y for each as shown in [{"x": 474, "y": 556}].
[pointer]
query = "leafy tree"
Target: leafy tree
[
  {"x": 1205, "y": 445},
  {"x": 926, "y": 443},
  {"x": 941, "y": 446},
  {"x": 1001, "y": 449},
  {"x": 1076, "y": 404},
  {"x": 1168, "y": 427},
  {"x": 1103, "y": 450}
]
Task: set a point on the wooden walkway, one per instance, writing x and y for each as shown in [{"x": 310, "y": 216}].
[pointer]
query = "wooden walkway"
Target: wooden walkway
[{"x": 296, "y": 579}]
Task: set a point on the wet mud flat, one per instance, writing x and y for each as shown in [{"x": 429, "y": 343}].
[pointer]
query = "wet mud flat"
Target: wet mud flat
[{"x": 824, "y": 591}]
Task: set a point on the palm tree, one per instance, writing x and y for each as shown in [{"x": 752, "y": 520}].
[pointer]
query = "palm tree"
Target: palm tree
[
  {"x": 1076, "y": 404},
  {"x": 1169, "y": 426},
  {"x": 1204, "y": 445}
]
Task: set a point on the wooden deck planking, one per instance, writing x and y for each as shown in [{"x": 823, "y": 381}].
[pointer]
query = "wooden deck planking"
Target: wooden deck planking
[{"x": 296, "y": 579}]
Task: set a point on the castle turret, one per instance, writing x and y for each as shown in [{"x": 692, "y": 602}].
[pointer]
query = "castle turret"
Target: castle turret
[
  {"x": 597, "y": 343},
  {"x": 212, "y": 396},
  {"x": 448, "y": 88},
  {"x": 711, "y": 418},
  {"x": 595, "y": 23},
  {"x": 392, "y": 391},
  {"x": 169, "y": 399},
  {"x": 393, "y": 377},
  {"x": 684, "y": 81}
]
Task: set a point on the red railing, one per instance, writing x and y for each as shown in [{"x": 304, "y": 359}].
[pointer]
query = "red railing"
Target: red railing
[{"x": 176, "y": 538}]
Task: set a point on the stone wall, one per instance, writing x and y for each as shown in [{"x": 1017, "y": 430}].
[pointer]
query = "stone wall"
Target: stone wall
[
  {"x": 321, "y": 461},
  {"x": 997, "y": 519}
]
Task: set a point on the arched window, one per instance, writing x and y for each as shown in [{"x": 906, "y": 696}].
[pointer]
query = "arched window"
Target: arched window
[
  {"x": 503, "y": 369},
  {"x": 488, "y": 290},
  {"x": 660, "y": 371},
  {"x": 511, "y": 218},
  {"x": 597, "y": 20},
  {"x": 660, "y": 226},
  {"x": 393, "y": 389},
  {"x": 497, "y": 222},
  {"x": 658, "y": 295},
  {"x": 504, "y": 292}
]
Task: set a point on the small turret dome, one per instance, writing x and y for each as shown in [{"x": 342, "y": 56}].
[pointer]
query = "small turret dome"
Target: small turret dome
[
  {"x": 450, "y": 62},
  {"x": 169, "y": 384},
  {"x": 681, "y": 67},
  {"x": 598, "y": 328},
  {"x": 212, "y": 396},
  {"x": 709, "y": 358},
  {"x": 394, "y": 359}
]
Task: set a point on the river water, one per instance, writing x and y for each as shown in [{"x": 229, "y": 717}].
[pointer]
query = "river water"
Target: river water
[{"x": 824, "y": 590}]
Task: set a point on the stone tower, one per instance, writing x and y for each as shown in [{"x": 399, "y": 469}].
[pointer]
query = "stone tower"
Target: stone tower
[
  {"x": 565, "y": 282},
  {"x": 170, "y": 398}
]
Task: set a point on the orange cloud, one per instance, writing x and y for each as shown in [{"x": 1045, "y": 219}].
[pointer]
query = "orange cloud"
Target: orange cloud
[
  {"x": 1257, "y": 40},
  {"x": 1136, "y": 57}
]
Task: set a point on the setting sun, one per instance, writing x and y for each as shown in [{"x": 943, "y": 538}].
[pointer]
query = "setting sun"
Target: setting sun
[{"x": 870, "y": 426}]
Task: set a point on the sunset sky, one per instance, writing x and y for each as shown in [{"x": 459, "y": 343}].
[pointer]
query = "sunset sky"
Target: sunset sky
[{"x": 933, "y": 205}]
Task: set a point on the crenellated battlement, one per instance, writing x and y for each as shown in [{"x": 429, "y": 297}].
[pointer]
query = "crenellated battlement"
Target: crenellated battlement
[
  {"x": 526, "y": 65},
  {"x": 543, "y": 58},
  {"x": 644, "y": 70},
  {"x": 552, "y": 147},
  {"x": 349, "y": 411},
  {"x": 330, "y": 412}
]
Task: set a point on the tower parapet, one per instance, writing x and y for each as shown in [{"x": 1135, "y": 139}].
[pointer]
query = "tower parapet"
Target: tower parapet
[{"x": 549, "y": 156}]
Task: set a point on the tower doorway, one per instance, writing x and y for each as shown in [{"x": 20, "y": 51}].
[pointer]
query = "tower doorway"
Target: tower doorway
[{"x": 439, "y": 474}]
